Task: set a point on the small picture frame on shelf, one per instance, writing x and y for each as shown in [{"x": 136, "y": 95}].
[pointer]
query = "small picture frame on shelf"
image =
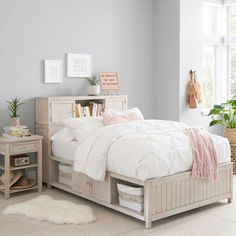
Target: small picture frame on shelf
[
  {"x": 109, "y": 82},
  {"x": 52, "y": 71},
  {"x": 79, "y": 65}
]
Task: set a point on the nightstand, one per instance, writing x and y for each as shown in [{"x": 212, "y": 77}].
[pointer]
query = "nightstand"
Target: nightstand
[{"x": 21, "y": 145}]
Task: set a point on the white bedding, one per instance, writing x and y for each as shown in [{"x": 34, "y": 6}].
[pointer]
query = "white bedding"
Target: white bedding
[
  {"x": 64, "y": 149},
  {"x": 141, "y": 150}
]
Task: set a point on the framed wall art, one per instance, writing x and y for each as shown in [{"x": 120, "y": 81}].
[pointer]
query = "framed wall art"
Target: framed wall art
[
  {"x": 53, "y": 71},
  {"x": 79, "y": 65}
]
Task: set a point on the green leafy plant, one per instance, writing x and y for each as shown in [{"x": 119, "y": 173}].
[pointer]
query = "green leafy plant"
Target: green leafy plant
[
  {"x": 14, "y": 106},
  {"x": 92, "y": 80},
  {"x": 224, "y": 114}
]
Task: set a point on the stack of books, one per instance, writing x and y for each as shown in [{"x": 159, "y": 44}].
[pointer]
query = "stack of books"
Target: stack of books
[
  {"x": 18, "y": 131},
  {"x": 92, "y": 109}
]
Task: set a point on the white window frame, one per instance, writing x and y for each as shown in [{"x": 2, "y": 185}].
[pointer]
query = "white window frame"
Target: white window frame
[
  {"x": 222, "y": 43},
  {"x": 230, "y": 41}
]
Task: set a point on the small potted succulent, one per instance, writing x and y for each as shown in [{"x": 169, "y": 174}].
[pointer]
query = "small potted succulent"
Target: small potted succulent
[
  {"x": 225, "y": 115},
  {"x": 94, "y": 87},
  {"x": 14, "y": 106}
]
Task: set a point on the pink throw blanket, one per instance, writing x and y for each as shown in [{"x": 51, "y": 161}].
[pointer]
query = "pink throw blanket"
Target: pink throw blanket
[{"x": 205, "y": 162}]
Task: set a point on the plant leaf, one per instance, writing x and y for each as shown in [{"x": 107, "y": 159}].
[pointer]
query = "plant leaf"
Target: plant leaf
[
  {"x": 14, "y": 106},
  {"x": 214, "y": 111},
  {"x": 216, "y": 122},
  {"x": 226, "y": 116}
]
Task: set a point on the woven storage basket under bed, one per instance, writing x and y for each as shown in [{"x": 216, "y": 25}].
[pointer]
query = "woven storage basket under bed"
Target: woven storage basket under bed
[{"x": 233, "y": 156}]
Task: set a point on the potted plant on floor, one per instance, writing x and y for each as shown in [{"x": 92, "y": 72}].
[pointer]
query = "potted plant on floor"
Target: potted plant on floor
[
  {"x": 14, "y": 106},
  {"x": 94, "y": 87},
  {"x": 225, "y": 115}
]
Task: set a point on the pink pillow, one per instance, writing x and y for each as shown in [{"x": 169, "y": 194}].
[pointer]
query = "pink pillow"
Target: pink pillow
[{"x": 109, "y": 118}]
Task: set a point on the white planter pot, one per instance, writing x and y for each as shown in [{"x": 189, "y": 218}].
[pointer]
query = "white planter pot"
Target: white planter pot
[
  {"x": 94, "y": 90},
  {"x": 15, "y": 121}
]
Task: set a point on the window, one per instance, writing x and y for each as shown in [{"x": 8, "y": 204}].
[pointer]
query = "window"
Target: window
[
  {"x": 210, "y": 20},
  {"x": 208, "y": 75},
  {"x": 232, "y": 20},
  {"x": 219, "y": 53},
  {"x": 232, "y": 71}
]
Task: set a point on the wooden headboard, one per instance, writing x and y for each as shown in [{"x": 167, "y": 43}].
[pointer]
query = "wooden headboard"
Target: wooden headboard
[{"x": 52, "y": 111}]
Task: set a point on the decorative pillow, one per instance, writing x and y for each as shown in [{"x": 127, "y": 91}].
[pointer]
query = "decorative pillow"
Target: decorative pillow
[
  {"x": 63, "y": 135},
  {"x": 80, "y": 128},
  {"x": 125, "y": 112},
  {"x": 111, "y": 116}
]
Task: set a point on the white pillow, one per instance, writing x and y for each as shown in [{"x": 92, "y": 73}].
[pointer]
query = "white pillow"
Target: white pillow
[
  {"x": 125, "y": 112},
  {"x": 63, "y": 135},
  {"x": 80, "y": 128}
]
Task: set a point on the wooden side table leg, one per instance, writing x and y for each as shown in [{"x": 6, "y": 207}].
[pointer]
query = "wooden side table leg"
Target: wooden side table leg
[
  {"x": 39, "y": 170},
  {"x": 7, "y": 173}
]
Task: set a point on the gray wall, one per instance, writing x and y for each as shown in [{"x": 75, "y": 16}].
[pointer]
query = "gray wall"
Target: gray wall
[
  {"x": 152, "y": 44},
  {"x": 190, "y": 56},
  {"x": 178, "y": 48},
  {"x": 118, "y": 33},
  {"x": 191, "y": 41},
  {"x": 166, "y": 59}
]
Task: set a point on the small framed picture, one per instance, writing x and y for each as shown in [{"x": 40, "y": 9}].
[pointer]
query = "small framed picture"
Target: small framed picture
[
  {"x": 109, "y": 81},
  {"x": 53, "y": 71},
  {"x": 79, "y": 65}
]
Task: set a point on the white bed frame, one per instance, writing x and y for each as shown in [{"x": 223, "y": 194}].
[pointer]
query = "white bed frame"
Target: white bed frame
[{"x": 163, "y": 197}]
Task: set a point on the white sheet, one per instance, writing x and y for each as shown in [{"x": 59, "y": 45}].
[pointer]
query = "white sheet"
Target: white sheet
[
  {"x": 141, "y": 150},
  {"x": 64, "y": 149}
]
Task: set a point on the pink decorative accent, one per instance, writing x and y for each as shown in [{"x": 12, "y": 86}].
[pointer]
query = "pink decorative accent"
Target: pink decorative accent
[
  {"x": 109, "y": 119},
  {"x": 205, "y": 162}
]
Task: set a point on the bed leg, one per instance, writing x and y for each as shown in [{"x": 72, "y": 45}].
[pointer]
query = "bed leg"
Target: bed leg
[
  {"x": 230, "y": 199},
  {"x": 147, "y": 205},
  {"x": 148, "y": 224}
]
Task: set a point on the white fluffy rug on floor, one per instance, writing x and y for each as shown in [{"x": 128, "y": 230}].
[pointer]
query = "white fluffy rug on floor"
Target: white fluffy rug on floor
[{"x": 57, "y": 211}]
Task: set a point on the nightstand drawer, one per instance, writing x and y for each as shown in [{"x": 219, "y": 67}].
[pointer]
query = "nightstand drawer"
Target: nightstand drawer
[
  {"x": 2, "y": 148},
  {"x": 23, "y": 147}
]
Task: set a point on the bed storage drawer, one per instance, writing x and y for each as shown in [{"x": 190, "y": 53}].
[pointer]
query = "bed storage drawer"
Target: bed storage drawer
[
  {"x": 65, "y": 174},
  {"x": 101, "y": 190},
  {"x": 87, "y": 187},
  {"x": 80, "y": 183}
]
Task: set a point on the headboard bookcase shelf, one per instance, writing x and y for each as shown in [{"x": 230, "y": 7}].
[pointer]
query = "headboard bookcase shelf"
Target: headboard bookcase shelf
[{"x": 52, "y": 111}]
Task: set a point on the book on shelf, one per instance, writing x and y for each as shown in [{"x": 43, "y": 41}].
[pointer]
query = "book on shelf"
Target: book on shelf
[
  {"x": 78, "y": 110},
  {"x": 92, "y": 109},
  {"x": 100, "y": 109},
  {"x": 95, "y": 108},
  {"x": 86, "y": 111}
]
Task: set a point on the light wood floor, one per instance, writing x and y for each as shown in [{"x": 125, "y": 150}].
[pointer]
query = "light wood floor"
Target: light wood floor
[{"x": 216, "y": 220}]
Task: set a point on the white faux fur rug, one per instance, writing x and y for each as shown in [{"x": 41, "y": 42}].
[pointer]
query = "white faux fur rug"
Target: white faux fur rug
[{"x": 57, "y": 211}]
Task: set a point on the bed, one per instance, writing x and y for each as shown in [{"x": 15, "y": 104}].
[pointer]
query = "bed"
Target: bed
[
  {"x": 168, "y": 186},
  {"x": 169, "y": 193},
  {"x": 64, "y": 150}
]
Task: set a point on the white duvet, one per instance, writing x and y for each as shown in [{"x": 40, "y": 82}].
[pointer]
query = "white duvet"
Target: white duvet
[{"x": 141, "y": 150}]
